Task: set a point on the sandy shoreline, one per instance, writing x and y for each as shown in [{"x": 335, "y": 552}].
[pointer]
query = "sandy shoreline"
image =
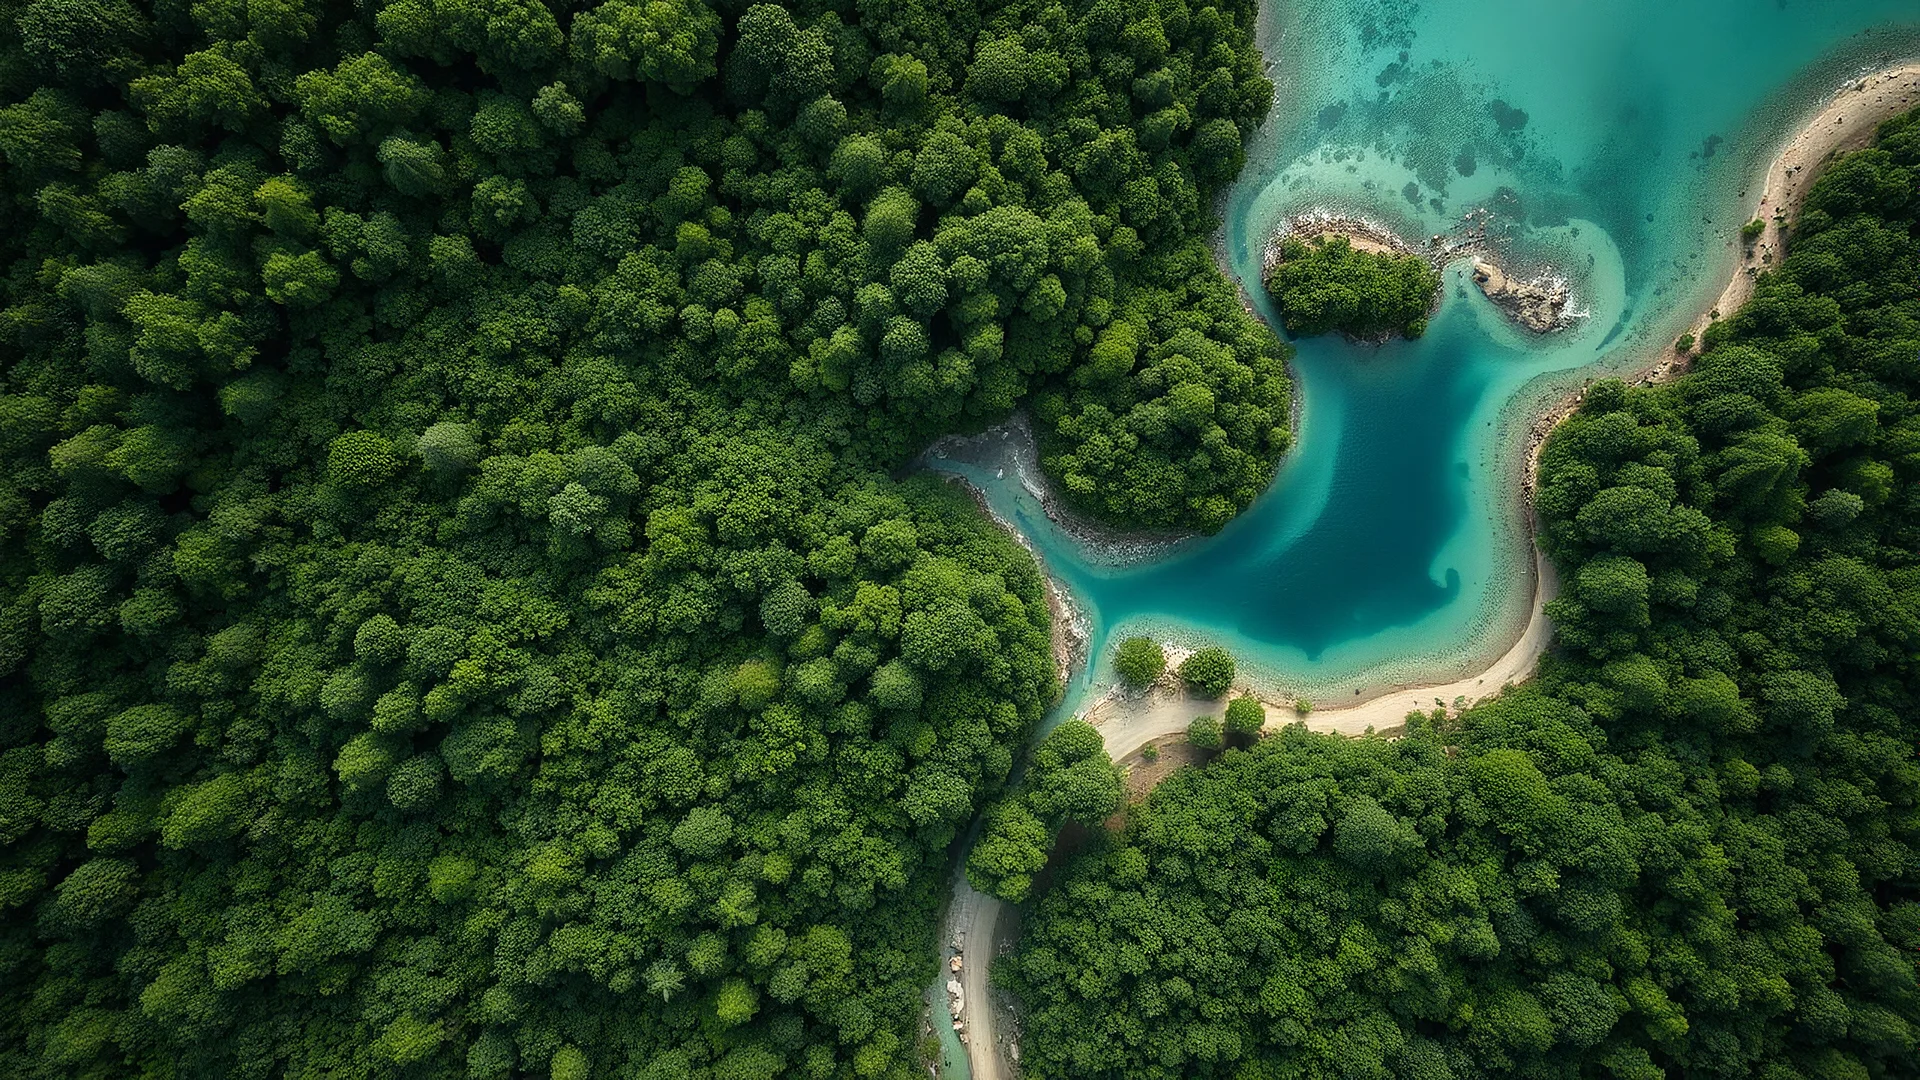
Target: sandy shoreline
[
  {"x": 1847, "y": 122},
  {"x": 1127, "y": 724}
]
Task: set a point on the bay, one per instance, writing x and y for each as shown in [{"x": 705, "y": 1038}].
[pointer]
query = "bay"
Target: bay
[{"x": 1608, "y": 142}]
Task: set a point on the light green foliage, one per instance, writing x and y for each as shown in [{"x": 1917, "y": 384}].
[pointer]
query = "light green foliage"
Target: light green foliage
[
  {"x": 1683, "y": 849},
  {"x": 1140, "y": 661},
  {"x": 1244, "y": 718},
  {"x": 1328, "y": 285},
  {"x": 1205, "y": 733},
  {"x": 1208, "y": 671},
  {"x": 460, "y": 613},
  {"x": 361, "y": 459},
  {"x": 449, "y": 447}
]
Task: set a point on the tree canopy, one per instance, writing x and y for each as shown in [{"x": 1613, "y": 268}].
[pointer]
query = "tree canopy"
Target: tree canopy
[
  {"x": 1140, "y": 661},
  {"x": 1328, "y": 284},
  {"x": 1208, "y": 671},
  {"x": 1689, "y": 847},
  {"x": 459, "y": 617}
]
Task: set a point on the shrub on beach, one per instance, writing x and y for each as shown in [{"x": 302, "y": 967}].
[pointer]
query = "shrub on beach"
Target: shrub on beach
[
  {"x": 1140, "y": 661},
  {"x": 1204, "y": 733},
  {"x": 1208, "y": 672},
  {"x": 1245, "y": 717}
]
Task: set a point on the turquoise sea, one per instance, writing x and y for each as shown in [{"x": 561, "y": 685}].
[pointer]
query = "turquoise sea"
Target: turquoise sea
[{"x": 1610, "y": 140}]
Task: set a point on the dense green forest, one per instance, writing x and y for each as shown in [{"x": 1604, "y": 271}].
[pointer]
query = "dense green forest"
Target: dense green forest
[
  {"x": 1689, "y": 847},
  {"x": 456, "y": 618},
  {"x": 1328, "y": 284}
]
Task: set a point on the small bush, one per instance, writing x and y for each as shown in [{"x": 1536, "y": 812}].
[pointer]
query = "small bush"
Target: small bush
[
  {"x": 1751, "y": 230},
  {"x": 1245, "y": 717},
  {"x": 1204, "y": 733},
  {"x": 1208, "y": 672},
  {"x": 1140, "y": 661}
]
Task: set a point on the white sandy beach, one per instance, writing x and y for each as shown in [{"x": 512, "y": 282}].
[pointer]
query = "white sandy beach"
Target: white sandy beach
[{"x": 1128, "y": 723}]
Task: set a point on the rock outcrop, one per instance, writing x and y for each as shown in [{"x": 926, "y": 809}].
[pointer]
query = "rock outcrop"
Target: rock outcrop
[{"x": 1539, "y": 305}]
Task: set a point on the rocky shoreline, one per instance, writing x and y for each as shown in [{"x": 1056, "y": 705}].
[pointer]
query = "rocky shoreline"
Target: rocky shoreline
[
  {"x": 1114, "y": 545},
  {"x": 1067, "y": 625}
]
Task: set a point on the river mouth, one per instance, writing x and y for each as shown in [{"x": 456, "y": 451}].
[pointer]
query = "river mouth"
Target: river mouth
[{"x": 1611, "y": 144}]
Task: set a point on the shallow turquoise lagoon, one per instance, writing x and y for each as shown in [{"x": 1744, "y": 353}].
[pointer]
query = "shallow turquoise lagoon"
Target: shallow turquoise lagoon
[{"x": 1609, "y": 140}]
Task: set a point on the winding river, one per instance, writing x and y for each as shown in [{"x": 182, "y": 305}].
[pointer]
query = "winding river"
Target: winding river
[{"x": 1612, "y": 142}]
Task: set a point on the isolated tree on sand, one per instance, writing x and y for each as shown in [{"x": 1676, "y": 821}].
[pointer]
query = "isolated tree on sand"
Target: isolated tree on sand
[
  {"x": 1245, "y": 717},
  {"x": 1140, "y": 661},
  {"x": 1208, "y": 672}
]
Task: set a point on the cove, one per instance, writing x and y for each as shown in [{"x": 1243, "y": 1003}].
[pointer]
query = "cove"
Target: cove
[{"x": 1609, "y": 141}]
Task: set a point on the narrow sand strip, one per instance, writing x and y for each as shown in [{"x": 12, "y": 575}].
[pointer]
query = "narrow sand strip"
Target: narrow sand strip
[
  {"x": 1846, "y": 123},
  {"x": 1127, "y": 724}
]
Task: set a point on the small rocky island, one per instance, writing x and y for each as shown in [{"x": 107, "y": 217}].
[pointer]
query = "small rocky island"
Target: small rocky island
[
  {"x": 1357, "y": 277},
  {"x": 1364, "y": 284},
  {"x": 1539, "y": 305}
]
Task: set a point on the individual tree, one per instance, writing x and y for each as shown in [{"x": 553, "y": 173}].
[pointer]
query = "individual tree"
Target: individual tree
[
  {"x": 1011, "y": 849},
  {"x": 1205, "y": 733},
  {"x": 1208, "y": 671},
  {"x": 1245, "y": 716},
  {"x": 1140, "y": 661}
]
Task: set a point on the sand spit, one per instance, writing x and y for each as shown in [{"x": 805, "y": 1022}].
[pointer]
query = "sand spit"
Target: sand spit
[
  {"x": 1846, "y": 122},
  {"x": 1540, "y": 304}
]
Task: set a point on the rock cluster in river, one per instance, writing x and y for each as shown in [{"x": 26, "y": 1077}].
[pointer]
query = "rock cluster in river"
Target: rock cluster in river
[{"x": 1539, "y": 305}]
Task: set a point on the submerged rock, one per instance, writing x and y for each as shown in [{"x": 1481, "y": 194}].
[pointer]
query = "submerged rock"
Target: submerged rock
[{"x": 1539, "y": 305}]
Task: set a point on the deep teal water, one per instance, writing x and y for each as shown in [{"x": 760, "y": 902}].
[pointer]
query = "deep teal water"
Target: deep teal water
[{"x": 1611, "y": 140}]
